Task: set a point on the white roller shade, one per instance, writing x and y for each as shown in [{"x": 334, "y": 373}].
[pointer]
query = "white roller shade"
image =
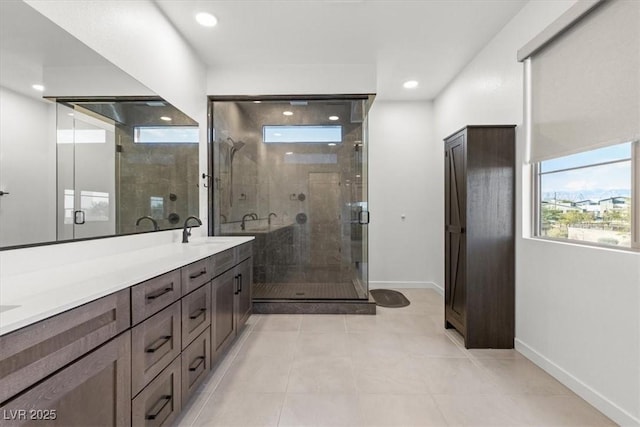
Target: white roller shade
[{"x": 585, "y": 84}]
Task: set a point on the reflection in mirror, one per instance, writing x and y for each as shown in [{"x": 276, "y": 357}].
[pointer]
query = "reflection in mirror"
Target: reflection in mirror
[
  {"x": 75, "y": 183},
  {"x": 124, "y": 167}
]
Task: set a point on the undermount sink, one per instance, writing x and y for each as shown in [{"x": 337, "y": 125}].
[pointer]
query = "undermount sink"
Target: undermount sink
[{"x": 4, "y": 308}]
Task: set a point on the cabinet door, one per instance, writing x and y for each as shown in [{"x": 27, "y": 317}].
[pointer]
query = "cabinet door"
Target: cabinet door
[
  {"x": 455, "y": 222},
  {"x": 244, "y": 276},
  {"x": 224, "y": 322},
  {"x": 93, "y": 391}
]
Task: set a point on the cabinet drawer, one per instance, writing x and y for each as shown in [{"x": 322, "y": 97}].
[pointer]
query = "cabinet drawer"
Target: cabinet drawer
[
  {"x": 196, "y": 313},
  {"x": 155, "y": 343},
  {"x": 93, "y": 391},
  {"x": 196, "y": 364},
  {"x": 223, "y": 261},
  {"x": 160, "y": 402},
  {"x": 196, "y": 274},
  {"x": 31, "y": 353},
  {"x": 151, "y": 296},
  {"x": 243, "y": 252}
]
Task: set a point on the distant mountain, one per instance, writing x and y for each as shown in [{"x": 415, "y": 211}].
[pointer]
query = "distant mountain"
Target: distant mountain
[{"x": 576, "y": 196}]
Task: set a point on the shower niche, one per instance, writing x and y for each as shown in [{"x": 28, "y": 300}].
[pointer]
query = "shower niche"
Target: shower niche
[{"x": 292, "y": 173}]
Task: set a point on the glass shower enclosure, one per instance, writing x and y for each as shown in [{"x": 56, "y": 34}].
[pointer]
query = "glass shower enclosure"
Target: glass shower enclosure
[{"x": 293, "y": 173}]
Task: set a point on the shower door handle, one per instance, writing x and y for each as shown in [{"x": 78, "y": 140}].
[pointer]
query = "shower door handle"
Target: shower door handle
[
  {"x": 363, "y": 217},
  {"x": 78, "y": 217}
]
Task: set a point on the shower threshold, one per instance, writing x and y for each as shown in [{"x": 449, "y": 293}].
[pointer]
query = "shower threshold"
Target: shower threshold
[
  {"x": 309, "y": 298},
  {"x": 332, "y": 290}
]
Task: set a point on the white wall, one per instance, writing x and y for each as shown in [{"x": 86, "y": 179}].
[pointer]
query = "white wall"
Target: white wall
[
  {"x": 28, "y": 169},
  {"x": 292, "y": 79},
  {"x": 405, "y": 178},
  {"x": 577, "y": 308}
]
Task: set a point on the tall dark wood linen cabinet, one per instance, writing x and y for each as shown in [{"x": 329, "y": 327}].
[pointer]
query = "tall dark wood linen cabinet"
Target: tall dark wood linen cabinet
[{"x": 479, "y": 235}]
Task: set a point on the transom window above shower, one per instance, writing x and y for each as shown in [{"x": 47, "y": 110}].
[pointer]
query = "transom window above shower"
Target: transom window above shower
[
  {"x": 166, "y": 135},
  {"x": 309, "y": 134}
]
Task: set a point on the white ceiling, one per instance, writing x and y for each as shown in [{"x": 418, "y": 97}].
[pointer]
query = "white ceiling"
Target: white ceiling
[
  {"x": 34, "y": 50},
  {"x": 426, "y": 40}
]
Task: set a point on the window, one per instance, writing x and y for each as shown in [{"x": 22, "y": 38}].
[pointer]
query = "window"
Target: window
[
  {"x": 589, "y": 196},
  {"x": 166, "y": 135},
  {"x": 95, "y": 204},
  {"x": 317, "y": 134},
  {"x": 82, "y": 136},
  {"x": 157, "y": 207}
]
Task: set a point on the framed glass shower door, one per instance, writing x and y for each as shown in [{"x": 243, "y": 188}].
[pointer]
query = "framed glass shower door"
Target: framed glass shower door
[{"x": 86, "y": 174}]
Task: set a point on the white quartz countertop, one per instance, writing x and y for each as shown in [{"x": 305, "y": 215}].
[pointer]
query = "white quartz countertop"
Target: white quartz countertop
[{"x": 29, "y": 297}]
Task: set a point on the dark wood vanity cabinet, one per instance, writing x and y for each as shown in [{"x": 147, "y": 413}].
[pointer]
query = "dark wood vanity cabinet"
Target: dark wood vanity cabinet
[
  {"x": 95, "y": 390},
  {"x": 132, "y": 357},
  {"x": 479, "y": 235}
]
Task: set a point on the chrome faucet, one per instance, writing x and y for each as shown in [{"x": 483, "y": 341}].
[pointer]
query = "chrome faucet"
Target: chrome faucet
[
  {"x": 270, "y": 215},
  {"x": 155, "y": 223},
  {"x": 244, "y": 219},
  {"x": 187, "y": 232}
]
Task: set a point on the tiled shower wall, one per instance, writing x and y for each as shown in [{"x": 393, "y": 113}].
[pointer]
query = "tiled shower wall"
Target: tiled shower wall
[
  {"x": 266, "y": 180},
  {"x": 167, "y": 172}
]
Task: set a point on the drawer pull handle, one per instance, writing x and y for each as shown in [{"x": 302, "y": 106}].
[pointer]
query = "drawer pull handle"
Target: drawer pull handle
[
  {"x": 198, "y": 274},
  {"x": 236, "y": 285},
  {"x": 158, "y": 344},
  {"x": 160, "y": 292},
  {"x": 199, "y": 361},
  {"x": 199, "y": 312},
  {"x": 239, "y": 283},
  {"x": 160, "y": 404}
]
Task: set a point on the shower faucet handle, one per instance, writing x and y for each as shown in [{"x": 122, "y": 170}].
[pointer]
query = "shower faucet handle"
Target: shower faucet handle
[{"x": 4, "y": 193}]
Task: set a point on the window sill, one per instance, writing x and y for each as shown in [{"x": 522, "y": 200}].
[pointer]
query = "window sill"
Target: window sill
[{"x": 583, "y": 244}]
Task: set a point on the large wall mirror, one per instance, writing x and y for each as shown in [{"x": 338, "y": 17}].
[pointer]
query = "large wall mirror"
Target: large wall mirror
[{"x": 93, "y": 152}]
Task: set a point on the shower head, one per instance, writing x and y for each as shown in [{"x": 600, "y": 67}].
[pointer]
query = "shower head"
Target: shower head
[{"x": 235, "y": 145}]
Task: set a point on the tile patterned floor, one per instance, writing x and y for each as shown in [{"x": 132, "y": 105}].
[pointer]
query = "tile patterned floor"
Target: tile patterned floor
[{"x": 398, "y": 368}]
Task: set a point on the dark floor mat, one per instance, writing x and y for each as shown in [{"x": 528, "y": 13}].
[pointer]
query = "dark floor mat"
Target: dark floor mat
[{"x": 389, "y": 298}]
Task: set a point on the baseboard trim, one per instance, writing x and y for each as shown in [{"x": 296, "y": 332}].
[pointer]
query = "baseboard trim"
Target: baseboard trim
[
  {"x": 405, "y": 285},
  {"x": 600, "y": 402}
]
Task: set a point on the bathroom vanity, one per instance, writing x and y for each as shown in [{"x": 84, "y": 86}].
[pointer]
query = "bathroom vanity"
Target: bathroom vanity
[{"x": 120, "y": 340}]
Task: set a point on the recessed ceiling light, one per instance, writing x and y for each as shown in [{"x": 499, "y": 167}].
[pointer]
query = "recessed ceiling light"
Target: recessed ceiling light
[
  {"x": 331, "y": 144},
  {"x": 288, "y": 153},
  {"x": 334, "y": 118},
  {"x": 257, "y": 102},
  {"x": 70, "y": 114},
  {"x": 165, "y": 118},
  {"x": 39, "y": 88},
  {"x": 410, "y": 84},
  {"x": 206, "y": 19},
  {"x": 288, "y": 113}
]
